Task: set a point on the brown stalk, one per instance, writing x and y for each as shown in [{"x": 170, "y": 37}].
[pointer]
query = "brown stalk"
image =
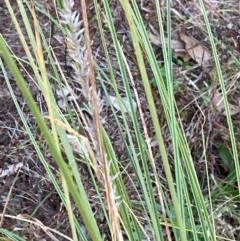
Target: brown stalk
[{"x": 109, "y": 192}]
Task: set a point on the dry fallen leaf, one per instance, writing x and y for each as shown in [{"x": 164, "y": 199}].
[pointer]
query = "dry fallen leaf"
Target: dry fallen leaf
[
  {"x": 11, "y": 169},
  {"x": 176, "y": 45},
  {"x": 217, "y": 101},
  {"x": 197, "y": 52},
  {"x": 125, "y": 102},
  {"x": 78, "y": 146},
  {"x": 154, "y": 39},
  {"x": 68, "y": 94},
  {"x": 4, "y": 93},
  {"x": 186, "y": 57}
]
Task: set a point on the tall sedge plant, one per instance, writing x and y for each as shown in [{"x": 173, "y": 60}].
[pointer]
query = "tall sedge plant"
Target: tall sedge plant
[
  {"x": 176, "y": 133},
  {"x": 180, "y": 142},
  {"x": 152, "y": 108}
]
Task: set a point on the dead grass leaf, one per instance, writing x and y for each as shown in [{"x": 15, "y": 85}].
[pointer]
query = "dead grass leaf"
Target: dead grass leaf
[
  {"x": 217, "y": 101},
  {"x": 197, "y": 52}
]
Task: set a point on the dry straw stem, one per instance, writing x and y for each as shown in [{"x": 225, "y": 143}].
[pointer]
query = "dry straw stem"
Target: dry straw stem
[
  {"x": 85, "y": 76},
  {"x": 110, "y": 195},
  {"x": 28, "y": 219},
  {"x": 8, "y": 199}
]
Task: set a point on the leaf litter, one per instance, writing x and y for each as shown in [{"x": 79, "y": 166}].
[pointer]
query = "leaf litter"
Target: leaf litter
[
  {"x": 187, "y": 48},
  {"x": 217, "y": 101}
]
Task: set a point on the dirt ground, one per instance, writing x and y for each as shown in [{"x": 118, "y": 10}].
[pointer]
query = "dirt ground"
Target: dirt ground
[{"x": 32, "y": 194}]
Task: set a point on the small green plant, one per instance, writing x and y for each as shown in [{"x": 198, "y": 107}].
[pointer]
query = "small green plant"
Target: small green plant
[{"x": 177, "y": 85}]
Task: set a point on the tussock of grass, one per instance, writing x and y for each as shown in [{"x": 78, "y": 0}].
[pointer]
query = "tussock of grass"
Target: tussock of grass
[{"x": 123, "y": 135}]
